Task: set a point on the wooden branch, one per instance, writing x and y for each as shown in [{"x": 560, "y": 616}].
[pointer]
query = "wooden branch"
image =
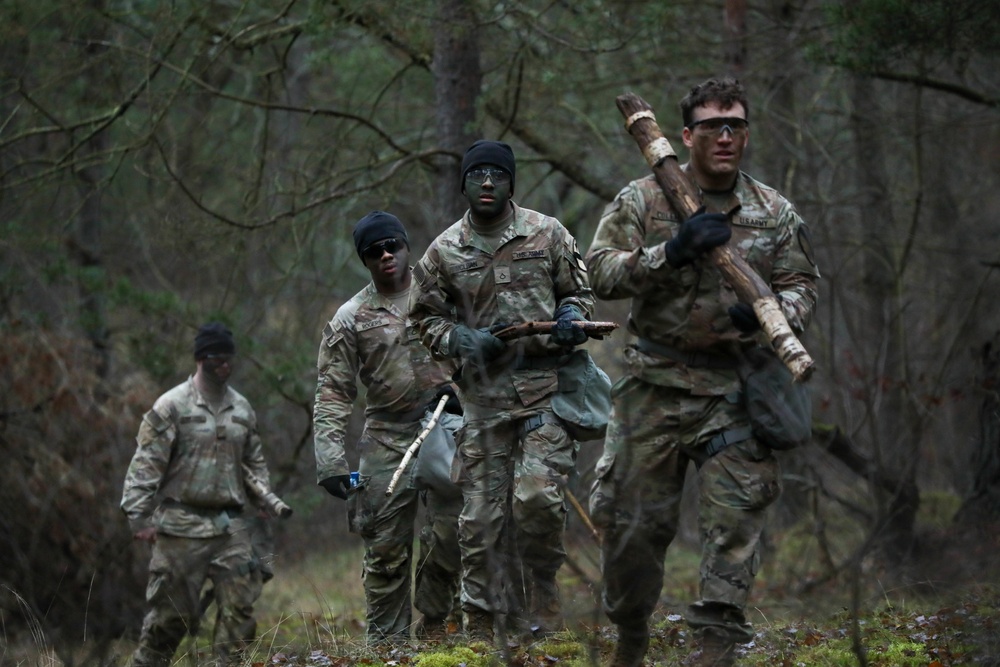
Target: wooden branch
[
  {"x": 536, "y": 328},
  {"x": 686, "y": 199},
  {"x": 412, "y": 449},
  {"x": 263, "y": 493},
  {"x": 583, "y": 515}
]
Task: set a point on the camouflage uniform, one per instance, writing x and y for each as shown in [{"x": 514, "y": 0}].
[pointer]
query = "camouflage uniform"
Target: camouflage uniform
[
  {"x": 369, "y": 337},
  {"x": 511, "y": 442},
  {"x": 681, "y": 392},
  {"x": 186, "y": 479}
]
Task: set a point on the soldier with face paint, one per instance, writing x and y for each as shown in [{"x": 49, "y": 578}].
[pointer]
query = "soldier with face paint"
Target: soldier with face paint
[
  {"x": 679, "y": 401},
  {"x": 371, "y": 337},
  {"x": 185, "y": 494},
  {"x": 504, "y": 264}
]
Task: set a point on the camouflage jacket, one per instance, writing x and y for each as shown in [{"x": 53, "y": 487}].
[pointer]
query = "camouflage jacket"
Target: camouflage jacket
[
  {"x": 536, "y": 269},
  {"x": 187, "y": 470},
  {"x": 370, "y": 338},
  {"x": 686, "y": 308}
]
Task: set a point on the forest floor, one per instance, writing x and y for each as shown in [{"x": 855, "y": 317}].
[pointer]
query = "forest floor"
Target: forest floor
[{"x": 942, "y": 610}]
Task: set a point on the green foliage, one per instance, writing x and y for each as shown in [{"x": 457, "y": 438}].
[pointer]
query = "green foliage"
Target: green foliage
[{"x": 871, "y": 34}]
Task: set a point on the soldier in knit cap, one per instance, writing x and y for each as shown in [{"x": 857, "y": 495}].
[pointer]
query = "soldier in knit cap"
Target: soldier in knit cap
[
  {"x": 185, "y": 494},
  {"x": 504, "y": 264},
  {"x": 371, "y": 338}
]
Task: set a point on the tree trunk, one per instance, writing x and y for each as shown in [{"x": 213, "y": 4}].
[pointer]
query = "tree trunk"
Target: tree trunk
[
  {"x": 735, "y": 21},
  {"x": 894, "y": 442},
  {"x": 457, "y": 83},
  {"x": 982, "y": 506}
]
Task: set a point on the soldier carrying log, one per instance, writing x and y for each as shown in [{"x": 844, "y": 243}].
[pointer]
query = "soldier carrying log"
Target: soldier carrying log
[{"x": 680, "y": 398}]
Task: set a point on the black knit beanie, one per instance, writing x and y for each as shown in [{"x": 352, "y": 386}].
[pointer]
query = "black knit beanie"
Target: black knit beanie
[
  {"x": 213, "y": 338},
  {"x": 376, "y": 226},
  {"x": 483, "y": 152}
]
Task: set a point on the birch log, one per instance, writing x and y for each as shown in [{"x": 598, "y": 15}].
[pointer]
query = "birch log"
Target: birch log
[{"x": 682, "y": 194}]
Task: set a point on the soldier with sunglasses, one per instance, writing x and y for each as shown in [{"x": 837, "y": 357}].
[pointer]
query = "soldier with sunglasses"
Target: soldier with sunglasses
[
  {"x": 371, "y": 338},
  {"x": 680, "y": 399},
  {"x": 504, "y": 264}
]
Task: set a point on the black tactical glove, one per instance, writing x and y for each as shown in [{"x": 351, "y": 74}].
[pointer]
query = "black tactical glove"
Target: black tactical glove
[
  {"x": 453, "y": 405},
  {"x": 697, "y": 235},
  {"x": 744, "y": 318},
  {"x": 337, "y": 485},
  {"x": 474, "y": 344},
  {"x": 565, "y": 333}
]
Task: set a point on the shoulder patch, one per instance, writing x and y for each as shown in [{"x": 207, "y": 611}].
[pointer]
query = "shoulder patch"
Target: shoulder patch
[
  {"x": 805, "y": 243},
  {"x": 332, "y": 334},
  {"x": 156, "y": 421},
  {"x": 419, "y": 274}
]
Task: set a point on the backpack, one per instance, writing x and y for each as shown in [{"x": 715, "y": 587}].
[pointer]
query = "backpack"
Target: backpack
[
  {"x": 583, "y": 401},
  {"x": 780, "y": 409},
  {"x": 432, "y": 469}
]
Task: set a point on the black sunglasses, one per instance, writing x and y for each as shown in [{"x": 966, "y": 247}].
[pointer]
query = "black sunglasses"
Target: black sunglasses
[{"x": 376, "y": 250}]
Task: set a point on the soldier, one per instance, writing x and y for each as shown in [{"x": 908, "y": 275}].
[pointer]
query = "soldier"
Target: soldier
[
  {"x": 185, "y": 493},
  {"x": 503, "y": 264},
  {"x": 679, "y": 400},
  {"x": 371, "y": 337}
]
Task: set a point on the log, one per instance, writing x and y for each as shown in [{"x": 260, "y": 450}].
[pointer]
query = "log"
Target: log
[
  {"x": 684, "y": 196},
  {"x": 262, "y": 492},
  {"x": 511, "y": 331}
]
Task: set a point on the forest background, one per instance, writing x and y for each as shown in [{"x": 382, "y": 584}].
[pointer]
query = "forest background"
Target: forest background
[{"x": 163, "y": 164}]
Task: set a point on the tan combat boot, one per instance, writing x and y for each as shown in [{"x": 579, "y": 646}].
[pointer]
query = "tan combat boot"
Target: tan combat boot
[
  {"x": 478, "y": 626},
  {"x": 630, "y": 648},
  {"x": 718, "y": 649},
  {"x": 432, "y": 629},
  {"x": 546, "y": 608}
]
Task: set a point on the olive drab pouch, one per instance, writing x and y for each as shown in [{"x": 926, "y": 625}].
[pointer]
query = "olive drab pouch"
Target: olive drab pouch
[
  {"x": 780, "y": 409},
  {"x": 583, "y": 400},
  {"x": 434, "y": 460}
]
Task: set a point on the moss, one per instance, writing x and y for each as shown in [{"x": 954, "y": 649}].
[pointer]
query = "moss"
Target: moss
[{"x": 457, "y": 656}]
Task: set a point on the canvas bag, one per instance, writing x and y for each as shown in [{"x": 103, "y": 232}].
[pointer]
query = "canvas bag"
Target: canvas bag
[
  {"x": 432, "y": 468},
  {"x": 780, "y": 409},
  {"x": 583, "y": 401}
]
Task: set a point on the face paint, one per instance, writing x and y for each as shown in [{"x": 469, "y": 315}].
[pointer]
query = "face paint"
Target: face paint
[{"x": 488, "y": 201}]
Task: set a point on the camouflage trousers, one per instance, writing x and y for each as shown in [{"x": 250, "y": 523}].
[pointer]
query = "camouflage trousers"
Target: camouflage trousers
[
  {"x": 514, "y": 515},
  {"x": 387, "y": 526},
  {"x": 178, "y": 570},
  {"x": 654, "y": 432}
]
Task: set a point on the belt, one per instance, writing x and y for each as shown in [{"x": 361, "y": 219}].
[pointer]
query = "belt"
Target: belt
[
  {"x": 536, "y": 421},
  {"x": 230, "y": 511},
  {"x": 407, "y": 417},
  {"x": 692, "y": 359},
  {"x": 413, "y": 415},
  {"x": 726, "y": 438},
  {"x": 540, "y": 363}
]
